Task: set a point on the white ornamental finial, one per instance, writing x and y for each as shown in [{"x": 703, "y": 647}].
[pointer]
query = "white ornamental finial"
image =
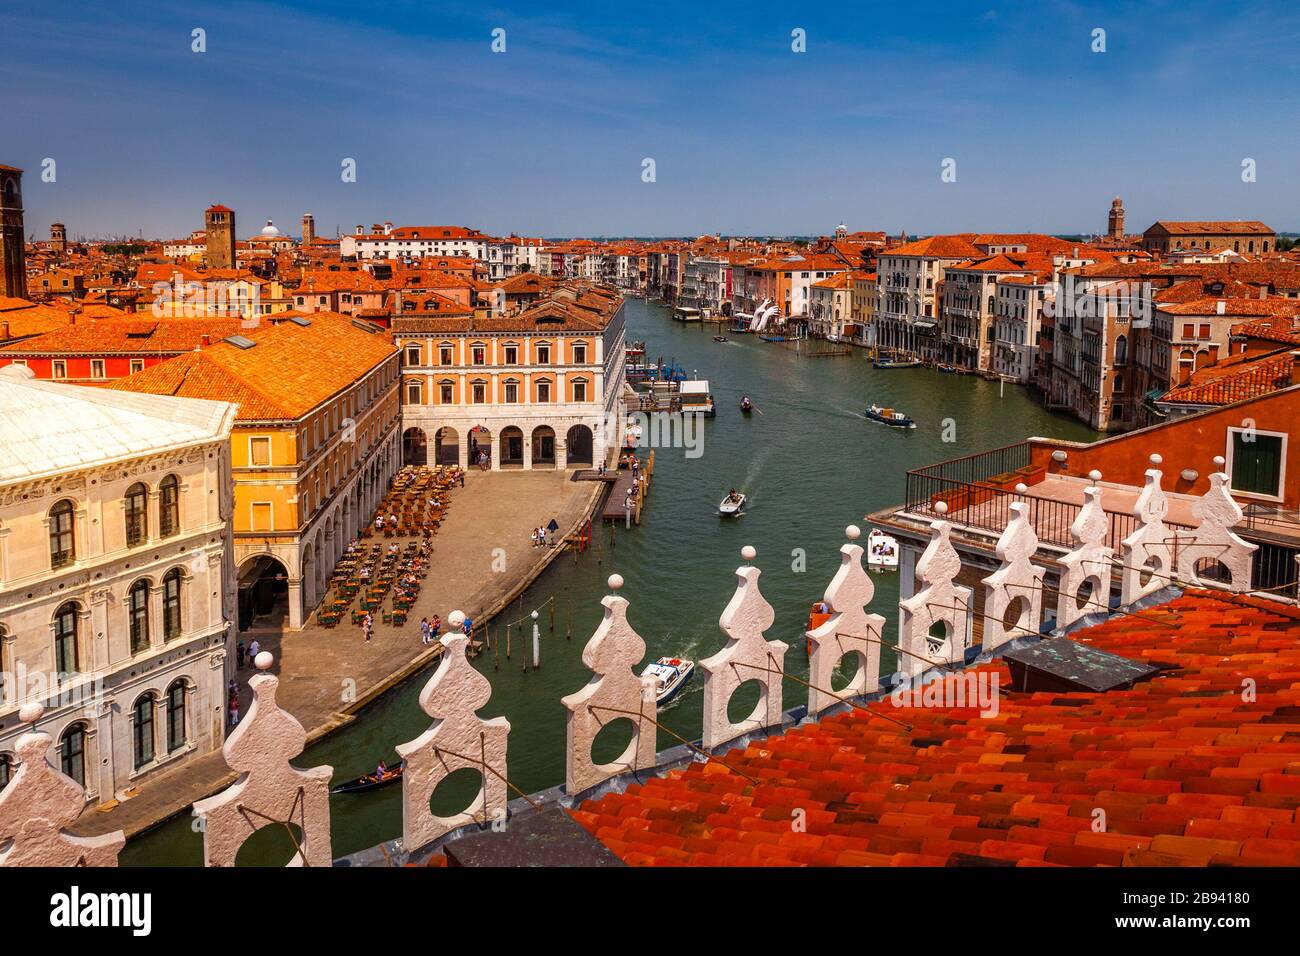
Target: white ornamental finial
[
  {"x": 849, "y": 630},
  {"x": 747, "y": 656},
  {"x": 269, "y": 789},
  {"x": 614, "y": 693},
  {"x": 1017, "y": 581},
  {"x": 1087, "y": 568},
  {"x": 40, "y": 803},
  {"x": 1149, "y": 547},
  {"x": 1214, "y": 540},
  {"x": 458, "y": 738},
  {"x": 941, "y": 605}
]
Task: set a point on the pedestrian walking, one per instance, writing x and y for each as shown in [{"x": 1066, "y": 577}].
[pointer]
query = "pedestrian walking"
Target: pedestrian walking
[
  {"x": 462, "y": 478},
  {"x": 367, "y": 625},
  {"x": 424, "y": 630},
  {"x": 469, "y": 627},
  {"x": 241, "y": 652},
  {"x": 253, "y": 650},
  {"x": 234, "y": 711}
]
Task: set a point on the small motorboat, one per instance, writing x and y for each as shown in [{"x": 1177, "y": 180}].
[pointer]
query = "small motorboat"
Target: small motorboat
[
  {"x": 370, "y": 781},
  {"x": 719, "y": 338},
  {"x": 887, "y": 416},
  {"x": 732, "y": 505},
  {"x": 882, "y": 552},
  {"x": 671, "y": 674},
  {"x": 746, "y": 406},
  {"x": 950, "y": 369}
]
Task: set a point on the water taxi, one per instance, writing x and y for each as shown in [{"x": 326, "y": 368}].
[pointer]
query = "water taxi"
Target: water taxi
[
  {"x": 746, "y": 406},
  {"x": 732, "y": 505},
  {"x": 671, "y": 674},
  {"x": 887, "y": 416},
  {"x": 882, "y": 552}
]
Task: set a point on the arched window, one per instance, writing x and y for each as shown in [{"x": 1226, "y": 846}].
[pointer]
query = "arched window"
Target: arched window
[
  {"x": 137, "y": 615},
  {"x": 65, "y": 639},
  {"x": 171, "y": 601},
  {"x": 169, "y": 506},
  {"x": 142, "y": 732},
  {"x": 72, "y": 753},
  {"x": 1121, "y": 350},
  {"x": 63, "y": 545},
  {"x": 176, "y": 716},
  {"x": 137, "y": 514}
]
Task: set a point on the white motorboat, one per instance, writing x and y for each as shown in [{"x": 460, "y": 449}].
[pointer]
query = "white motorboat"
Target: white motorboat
[
  {"x": 732, "y": 505},
  {"x": 882, "y": 551},
  {"x": 671, "y": 674}
]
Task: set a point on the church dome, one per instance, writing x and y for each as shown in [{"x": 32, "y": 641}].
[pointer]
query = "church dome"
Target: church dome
[{"x": 269, "y": 230}]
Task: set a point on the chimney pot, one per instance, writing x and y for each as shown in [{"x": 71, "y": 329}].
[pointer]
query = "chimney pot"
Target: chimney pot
[{"x": 1220, "y": 307}]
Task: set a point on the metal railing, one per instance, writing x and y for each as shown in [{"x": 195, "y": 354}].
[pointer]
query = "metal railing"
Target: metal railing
[{"x": 978, "y": 467}]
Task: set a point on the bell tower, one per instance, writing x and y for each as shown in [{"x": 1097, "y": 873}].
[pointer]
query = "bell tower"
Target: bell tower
[
  {"x": 59, "y": 238},
  {"x": 1115, "y": 222},
  {"x": 308, "y": 229},
  {"x": 219, "y": 221},
  {"x": 13, "y": 261}
]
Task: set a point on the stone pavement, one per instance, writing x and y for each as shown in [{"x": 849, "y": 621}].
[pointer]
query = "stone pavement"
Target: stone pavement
[{"x": 328, "y": 674}]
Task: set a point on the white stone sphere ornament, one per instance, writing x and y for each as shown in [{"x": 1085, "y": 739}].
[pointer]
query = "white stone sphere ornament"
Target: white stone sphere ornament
[
  {"x": 1094, "y": 476},
  {"x": 1021, "y": 488},
  {"x": 1156, "y": 460},
  {"x": 263, "y": 661},
  {"x": 853, "y": 532},
  {"x": 31, "y": 713},
  {"x": 456, "y": 619},
  {"x": 1219, "y": 462},
  {"x": 615, "y": 582},
  {"x": 941, "y": 507},
  {"x": 748, "y": 552}
]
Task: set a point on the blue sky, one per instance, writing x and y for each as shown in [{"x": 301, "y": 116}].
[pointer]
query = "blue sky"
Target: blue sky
[{"x": 748, "y": 136}]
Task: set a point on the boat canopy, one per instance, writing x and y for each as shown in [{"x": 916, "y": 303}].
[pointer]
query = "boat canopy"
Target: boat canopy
[{"x": 699, "y": 386}]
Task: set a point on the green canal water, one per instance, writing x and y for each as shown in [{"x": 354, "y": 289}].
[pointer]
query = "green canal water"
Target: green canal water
[{"x": 810, "y": 463}]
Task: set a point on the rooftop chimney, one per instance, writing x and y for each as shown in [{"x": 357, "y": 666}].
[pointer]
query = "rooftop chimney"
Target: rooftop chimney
[
  {"x": 205, "y": 339},
  {"x": 1220, "y": 307}
]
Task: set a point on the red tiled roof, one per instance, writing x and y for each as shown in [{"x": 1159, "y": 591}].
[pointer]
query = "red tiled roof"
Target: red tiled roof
[{"x": 1186, "y": 770}]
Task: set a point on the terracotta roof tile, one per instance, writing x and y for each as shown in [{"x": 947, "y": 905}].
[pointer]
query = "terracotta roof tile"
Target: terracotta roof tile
[{"x": 1182, "y": 780}]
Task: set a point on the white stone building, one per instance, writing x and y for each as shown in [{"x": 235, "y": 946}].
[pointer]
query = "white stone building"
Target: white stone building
[{"x": 116, "y": 584}]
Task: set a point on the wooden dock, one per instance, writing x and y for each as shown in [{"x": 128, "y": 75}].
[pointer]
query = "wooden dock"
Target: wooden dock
[{"x": 624, "y": 487}]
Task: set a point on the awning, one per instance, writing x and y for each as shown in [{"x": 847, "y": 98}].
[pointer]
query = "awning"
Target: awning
[{"x": 926, "y": 327}]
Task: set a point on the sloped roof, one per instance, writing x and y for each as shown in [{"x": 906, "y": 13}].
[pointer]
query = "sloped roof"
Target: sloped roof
[
  {"x": 290, "y": 370},
  {"x": 51, "y": 427},
  {"x": 1187, "y": 771}
]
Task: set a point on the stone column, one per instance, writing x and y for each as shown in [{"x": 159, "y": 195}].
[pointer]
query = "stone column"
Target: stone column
[{"x": 296, "y": 610}]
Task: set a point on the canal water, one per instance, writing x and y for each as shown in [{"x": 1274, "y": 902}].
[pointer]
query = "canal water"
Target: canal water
[{"x": 810, "y": 464}]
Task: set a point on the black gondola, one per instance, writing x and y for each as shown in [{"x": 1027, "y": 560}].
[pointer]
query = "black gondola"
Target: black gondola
[{"x": 370, "y": 781}]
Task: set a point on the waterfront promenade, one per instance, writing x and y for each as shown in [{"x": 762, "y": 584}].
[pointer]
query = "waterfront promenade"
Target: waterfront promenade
[{"x": 328, "y": 674}]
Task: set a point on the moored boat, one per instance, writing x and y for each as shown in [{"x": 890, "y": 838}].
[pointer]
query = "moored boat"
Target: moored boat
[
  {"x": 719, "y": 338},
  {"x": 671, "y": 674},
  {"x": 896, "y": 363},
  {"x": 888, "y": 416}
]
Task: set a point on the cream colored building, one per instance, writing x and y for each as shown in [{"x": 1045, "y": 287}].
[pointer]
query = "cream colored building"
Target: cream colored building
[
  {"x": 116, "y": 583},
  {"x": 535, "y": 389}
]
